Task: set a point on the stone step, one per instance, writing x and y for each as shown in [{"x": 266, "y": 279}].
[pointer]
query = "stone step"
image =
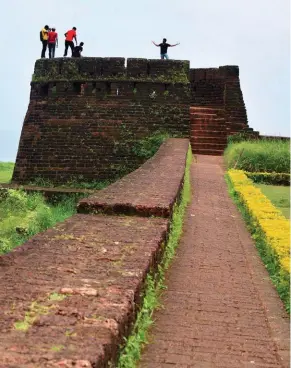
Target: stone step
[
  {"x": 209, "y": 127},
  {"x": 206, "y": 151},
  {"x": 207, "y": 133},
  {"x": 215, "y": 146},
  {"x": 202, "y": 139},
  {"x": 206, "y": 110},
  {"x": 201, "y": 118},
  {"x": 199, "y": 114}
]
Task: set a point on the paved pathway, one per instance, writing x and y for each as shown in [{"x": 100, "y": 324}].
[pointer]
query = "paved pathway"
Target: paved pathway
[{"x": 220, "y": 309}]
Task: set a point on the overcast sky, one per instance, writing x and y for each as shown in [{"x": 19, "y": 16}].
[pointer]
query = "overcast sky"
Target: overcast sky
[{"x": 253, "y": 34}]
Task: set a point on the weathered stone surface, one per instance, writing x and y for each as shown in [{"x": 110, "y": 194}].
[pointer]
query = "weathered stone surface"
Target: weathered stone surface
[
  {"x": 151, "y": 190},
  {"x": 69, "y": 295},
  {"x": 85, "y": 116}
]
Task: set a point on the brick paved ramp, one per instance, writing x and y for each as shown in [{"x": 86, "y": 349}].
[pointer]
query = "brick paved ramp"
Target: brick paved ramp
[
  {"x": 220, "y": 308},
  {"x": 100, "y": 263},
  {"x": 150, "y": 190}
]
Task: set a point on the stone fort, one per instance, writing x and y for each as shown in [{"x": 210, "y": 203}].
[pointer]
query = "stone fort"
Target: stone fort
[{"x": 86, "y": 115}]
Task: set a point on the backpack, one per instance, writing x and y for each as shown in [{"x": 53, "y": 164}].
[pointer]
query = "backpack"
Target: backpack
[{"x": 41, "y": 38}]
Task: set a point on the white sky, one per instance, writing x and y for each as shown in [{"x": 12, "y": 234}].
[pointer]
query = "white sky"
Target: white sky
[{"x": 253, "y": 34}]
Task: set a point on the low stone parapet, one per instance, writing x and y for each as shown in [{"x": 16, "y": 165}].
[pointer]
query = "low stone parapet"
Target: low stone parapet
[{"x": 151, "y": 190}]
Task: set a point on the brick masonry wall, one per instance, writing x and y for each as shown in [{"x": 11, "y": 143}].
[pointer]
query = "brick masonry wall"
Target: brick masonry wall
[
  {"x": 86, "y": 115},
  {"x": 220, "y": 88}
]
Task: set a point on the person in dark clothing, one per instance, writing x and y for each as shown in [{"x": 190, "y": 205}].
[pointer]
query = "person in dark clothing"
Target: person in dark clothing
[
  {"x": 77, "y": 50},
  {"x": 44, "y": 40},
  {"x": 164, "y": 48},
  {"x": 52, "y": 42},
  {"x": 70, "y": 36}
]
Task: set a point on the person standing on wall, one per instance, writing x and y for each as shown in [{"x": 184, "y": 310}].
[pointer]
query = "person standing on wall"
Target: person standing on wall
[
  {"x": 70, "y": 36},
  {"x": 164, "y": 48},
  {"x": 44, "y": 40},
  {"x": 52, "y": 42},
  {"x": 77, "y": 50}
]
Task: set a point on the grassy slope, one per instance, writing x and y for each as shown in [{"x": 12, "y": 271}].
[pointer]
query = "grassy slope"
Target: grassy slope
[
  {"x": 259, "y": 156},
  {"x": 23, "y": 215},
  {"x": 6, "y": 170},
  {"x": 279, "y": 196}
]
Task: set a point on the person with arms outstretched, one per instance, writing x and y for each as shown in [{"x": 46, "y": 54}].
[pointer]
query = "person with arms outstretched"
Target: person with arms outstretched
[
  {"x": 44, "y": 39},
  {"x": 52, "y": 42},
  {"x": 70, "y": 36},
  {"x": 164, "y": 48}
]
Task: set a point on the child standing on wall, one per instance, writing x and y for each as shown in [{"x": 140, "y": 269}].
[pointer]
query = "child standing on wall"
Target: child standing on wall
[
  {"x": 70, "y": 36},
  {"x": 164, "y": 48},
  {"x": 52, "y": 42}
]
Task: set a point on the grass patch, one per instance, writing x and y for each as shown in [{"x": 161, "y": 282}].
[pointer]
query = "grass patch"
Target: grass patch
[
  {"x": 279, "y": 195},
  {"x": 279, "y": 277},
  {"x": 154, "y": 285},
  {"x": 76, "y": 183},
  {"x": 23, "y": 215},
  {"x": 57, "y": 297},
  {"x": 35, "y": 310},
  {"x": 258, "y": 156},
  {"x": 6, "y": 171}
]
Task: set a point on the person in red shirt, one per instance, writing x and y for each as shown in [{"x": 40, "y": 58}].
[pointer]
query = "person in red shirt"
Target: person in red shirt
[
  {"x": 52, "y": 42},
  {"x": 70, "y": 36}
]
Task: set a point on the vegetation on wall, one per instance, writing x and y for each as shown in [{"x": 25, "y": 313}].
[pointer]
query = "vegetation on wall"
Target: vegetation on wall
[{"x": 147, "y": 147}]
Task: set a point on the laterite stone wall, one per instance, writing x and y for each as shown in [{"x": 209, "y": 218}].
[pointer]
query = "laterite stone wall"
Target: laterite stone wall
[
  {"x": 220, "y": 88},
  {"x": 85, "y": 116}
]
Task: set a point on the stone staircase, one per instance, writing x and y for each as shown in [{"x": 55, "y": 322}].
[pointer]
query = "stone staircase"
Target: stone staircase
[{"x": 208, "y": 132}]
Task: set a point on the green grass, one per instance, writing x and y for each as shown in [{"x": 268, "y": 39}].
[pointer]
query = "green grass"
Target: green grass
[
  {"x": 259, "y": 156},
  {"x": 131, "y": 352},
  {"x": 6, "y": 171},
  {"x": 279, "y": 195},
  {"x": 23, "y": 215},
  {"x": 280, "y": 279}
]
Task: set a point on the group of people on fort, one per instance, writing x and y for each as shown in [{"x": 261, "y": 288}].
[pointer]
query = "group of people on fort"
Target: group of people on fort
[{"x": 49, "y": 39}]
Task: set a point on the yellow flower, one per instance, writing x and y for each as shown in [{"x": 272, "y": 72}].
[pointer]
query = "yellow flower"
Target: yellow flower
[{"x": 270, "y": 220}]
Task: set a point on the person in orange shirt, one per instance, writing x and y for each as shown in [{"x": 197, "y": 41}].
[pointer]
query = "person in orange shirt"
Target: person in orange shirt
[
  {"x": 52, "y": 42},
  {"x": 70, "y": 36}
]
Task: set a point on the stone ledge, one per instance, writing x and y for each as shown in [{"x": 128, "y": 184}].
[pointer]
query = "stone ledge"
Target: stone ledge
[
  {"x": 47, "y": 191},
  {"x": 69, "y": 295},
  {"x": 151, "y": 190}
]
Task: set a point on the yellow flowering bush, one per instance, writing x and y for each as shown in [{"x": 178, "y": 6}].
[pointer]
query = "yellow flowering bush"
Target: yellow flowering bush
[{"x": 273, "y": 224}]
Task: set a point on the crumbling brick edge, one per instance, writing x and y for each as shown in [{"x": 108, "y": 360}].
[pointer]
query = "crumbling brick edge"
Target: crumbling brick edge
[{"x": 130, "y": 352}]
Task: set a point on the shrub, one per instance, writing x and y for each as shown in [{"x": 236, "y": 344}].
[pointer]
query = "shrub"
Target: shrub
[
  {"x": 269, "y": 178},
  {"x": 259, "y": 156}
]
